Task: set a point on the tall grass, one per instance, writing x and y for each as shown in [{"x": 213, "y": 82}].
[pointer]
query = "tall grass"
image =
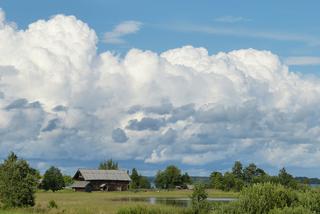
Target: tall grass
[{"x": 153, "y": 210}]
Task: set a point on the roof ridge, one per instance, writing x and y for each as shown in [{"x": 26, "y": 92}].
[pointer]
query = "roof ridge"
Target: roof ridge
[{"x": 123, "y": 170}]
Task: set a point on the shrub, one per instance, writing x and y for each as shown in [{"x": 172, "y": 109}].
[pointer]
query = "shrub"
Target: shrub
[
  {"x": 200, "y": 205},
  {"x": 291, "y": 210},
  {"x": 261, "y": 198},
  {"x": 310, "y": 200},
  {"x": 52, "y": 204}
]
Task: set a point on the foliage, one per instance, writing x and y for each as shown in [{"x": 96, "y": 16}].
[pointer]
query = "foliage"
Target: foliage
[
  {"x": 144, "y": 183},
  {"x": 108, "y": 165},
  {"x": 199, "y": 196},
  {"x": 291, "y": 210},
  {"x": 67, "y": 180},
  {"x": 226, "y": 182},
  {"x": 230, "y": 182},
  {"x": 135, "y": 178},
  {"x": 53, "y": 179},
  {"x": 237, "y": 170},
  {"x": 239, "y": 178},
  {"x": 186, "y": 179},
  {"x": 286, "y": 179},
  {"x": 261, "y": 198},
  {"x": 216, "y": 179},
  {"x": 139, "y": 181},
  {"x": 310, "y": 199},
  {"x": 18, "y": 182},
  {"x": 169, "y": 178},
  {"x": 52, "y": 204},
  {"x": 274, "y": 199},
  {"x": 251, "y": 172}
]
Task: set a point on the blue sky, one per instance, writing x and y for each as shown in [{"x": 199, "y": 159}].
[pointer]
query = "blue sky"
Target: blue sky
[{"x": 128, "y": 80}]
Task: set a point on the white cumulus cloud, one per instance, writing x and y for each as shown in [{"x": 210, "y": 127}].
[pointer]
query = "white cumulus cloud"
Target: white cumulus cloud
[{"x": 61, "y": 100}]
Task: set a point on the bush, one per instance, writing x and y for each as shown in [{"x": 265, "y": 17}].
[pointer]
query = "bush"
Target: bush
[
  {"x": 52, "y": 204},
  {"x": 310, "y": 200},
  {"x": 274, "y": 199},
  {"x": 261, "y": 198},
  {"x": 291, "y": 210},
  {"x": 200, "y": 205}
]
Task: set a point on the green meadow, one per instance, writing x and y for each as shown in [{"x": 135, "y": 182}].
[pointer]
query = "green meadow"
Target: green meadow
[{"x": 70, "y": 202}]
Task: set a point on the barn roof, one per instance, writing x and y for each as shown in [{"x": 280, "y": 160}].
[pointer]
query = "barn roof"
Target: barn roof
[
  {"x": 114, "y": 175},
  {"x": 80, "y": 184}
]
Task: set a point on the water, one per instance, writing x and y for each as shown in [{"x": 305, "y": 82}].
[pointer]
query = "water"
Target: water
[{"x": 181, "y": 202}]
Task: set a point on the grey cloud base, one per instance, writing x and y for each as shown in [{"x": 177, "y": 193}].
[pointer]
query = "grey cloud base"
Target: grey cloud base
[{"x": 60, "y": 99}]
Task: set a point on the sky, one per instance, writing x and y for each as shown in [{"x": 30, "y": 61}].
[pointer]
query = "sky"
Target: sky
[{"x": 198, "y": 84}]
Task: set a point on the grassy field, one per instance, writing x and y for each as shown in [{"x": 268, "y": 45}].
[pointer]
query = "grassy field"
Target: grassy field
[{"x": 99, "y": 202}]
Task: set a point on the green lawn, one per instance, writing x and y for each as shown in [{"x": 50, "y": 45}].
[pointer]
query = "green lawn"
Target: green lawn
[{"x": 70, "y": 202}]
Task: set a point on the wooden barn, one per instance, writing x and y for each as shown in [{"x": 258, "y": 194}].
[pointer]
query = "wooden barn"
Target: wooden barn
[{"x": 87, "y": 180}]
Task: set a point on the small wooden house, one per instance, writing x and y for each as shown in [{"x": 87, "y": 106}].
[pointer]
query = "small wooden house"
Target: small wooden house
[{"x": 100, "y": 180}]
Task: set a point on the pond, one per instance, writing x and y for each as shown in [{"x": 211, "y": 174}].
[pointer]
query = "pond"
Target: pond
[{"x": 181, "y": 202}]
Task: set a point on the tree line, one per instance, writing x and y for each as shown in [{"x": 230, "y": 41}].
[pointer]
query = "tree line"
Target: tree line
[
  {"x": 240, "y": 177},
  {"x": 19, "y": 181}
]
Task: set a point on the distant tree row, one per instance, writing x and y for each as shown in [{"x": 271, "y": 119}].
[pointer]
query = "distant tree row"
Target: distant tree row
[
  {"x": 240, "y": 177},
  {"x": 18, "y": 181}
]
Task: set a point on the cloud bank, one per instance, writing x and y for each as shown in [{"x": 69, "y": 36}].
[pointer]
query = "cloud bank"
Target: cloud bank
[{"x": 60, "y": 99}]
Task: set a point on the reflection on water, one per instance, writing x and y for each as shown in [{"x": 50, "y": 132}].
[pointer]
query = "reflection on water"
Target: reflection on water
[{"x": 181, "y": 202}]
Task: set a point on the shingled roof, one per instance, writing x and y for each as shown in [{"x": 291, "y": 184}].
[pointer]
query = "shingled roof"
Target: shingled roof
[
  {"x": 112, "y": 175},
  {"x": 80, "y": 184}
]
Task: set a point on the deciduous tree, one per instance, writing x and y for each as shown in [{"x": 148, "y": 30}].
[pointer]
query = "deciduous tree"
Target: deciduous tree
[
  {"x": 53, "y": 179},
  {"x": 18, "y": 182}
]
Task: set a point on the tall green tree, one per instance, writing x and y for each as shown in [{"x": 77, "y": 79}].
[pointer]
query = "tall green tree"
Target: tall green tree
[
  {"x": 161, "y": 180},
  {"x": 53, "y": 179},
  {"x": 169, "y": 178},
  {"x": 216, "y": 180},
  {"x": 18, "y": 182},
  {"x": 186, "y": 179},
  {"x": 108, "y": 165},
  {"x": 135, "y": 179},
  {"x": 249, "y": 172},
  {"x": 286, "y": 179},
  {"x": 144, "y": 183},
  {"x": 237, "y": 170},
  {"x": 138, "y": 181}
]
